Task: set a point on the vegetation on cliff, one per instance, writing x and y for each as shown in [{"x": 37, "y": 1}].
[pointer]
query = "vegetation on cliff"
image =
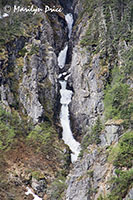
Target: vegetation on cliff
[
  {"x": 118, "y": 97},
  {"x": 109, "y": 28},
  {"x": 121, "y": 157}
]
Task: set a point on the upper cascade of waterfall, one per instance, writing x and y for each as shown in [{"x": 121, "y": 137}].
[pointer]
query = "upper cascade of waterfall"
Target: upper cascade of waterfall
[
  {"x": 63, "y": 53},
  {"x": 69, "y": 20},
  {"x": 62, "y": 57}
]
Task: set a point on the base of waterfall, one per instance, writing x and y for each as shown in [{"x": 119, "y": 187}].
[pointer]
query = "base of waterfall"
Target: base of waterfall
[{"x": 34, "y": 195}]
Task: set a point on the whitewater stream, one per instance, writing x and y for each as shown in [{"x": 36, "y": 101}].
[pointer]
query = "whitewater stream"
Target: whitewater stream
[
  {"x": 65, "y": 99},
  {"x": 29, "y": 191}
]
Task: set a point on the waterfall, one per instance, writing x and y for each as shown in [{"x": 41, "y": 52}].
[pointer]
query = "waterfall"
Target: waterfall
[
  {"x": 65, "y": 99},
  {"x": 62, "y": 57},
  {"x": 34, "y": 195},
  {"x": 69, "y": 20},
  {"x": 66, "y": 96}
]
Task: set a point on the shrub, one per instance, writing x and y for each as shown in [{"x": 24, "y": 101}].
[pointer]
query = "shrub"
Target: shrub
[
  {"x": 58, "y": 187},
  {"x": 7, "y": 131},
  {"x": 121, "y": 184},
  {"x": 121, "y": 157},
  {"x": 43, "y": 134},
  {"x": 128, "y": 65},
  {"x": 121, "y": 154},
  {"x": 11, "y": 127},
  {"x": 117, "y": 101},
  {"x": 7, "y": 135},
  {"x": 93, "y": 136},
  {"x": 114, "y": 100},
  {"x": 125, "y": 154}
]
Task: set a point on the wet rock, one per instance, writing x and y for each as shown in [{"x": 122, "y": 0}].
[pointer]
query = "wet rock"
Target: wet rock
[
  {"x": 129, "y": 196},
  {"x": 39, "y": 186}
]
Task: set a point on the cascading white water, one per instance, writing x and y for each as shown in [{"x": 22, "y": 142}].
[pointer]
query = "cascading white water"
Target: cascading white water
[
  {"x": 34, "y": 195},
  {"x": 67, "y": 135},
  {"x": 66, "y": 96},
  {"x": 62, "y": 57},
  {"x": 69, "y": 20}
]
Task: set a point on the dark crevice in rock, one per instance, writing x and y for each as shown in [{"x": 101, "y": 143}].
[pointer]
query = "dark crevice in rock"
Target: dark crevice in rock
[{"x": 67, "y": 5}]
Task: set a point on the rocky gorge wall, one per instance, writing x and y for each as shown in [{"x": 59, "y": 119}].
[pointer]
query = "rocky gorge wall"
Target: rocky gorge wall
[
  {"x": 29, "y": 102},
  {"x": 101, "y": 78}
]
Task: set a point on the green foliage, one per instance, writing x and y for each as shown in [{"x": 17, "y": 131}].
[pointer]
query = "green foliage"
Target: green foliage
[
  {"x": 90, "y": 173},
  {"x": 43, "y": 135},
  {"x": 89, "y": 7},
  {"x": 58, "y": 187},
  {"x": 7, "y": 135},
  {"x": 96, "y": 131},
  {"x": 34, "y": 50},
  {"x": 18, "y": 24},
  {"x": 37, "y": 175},
  {"x": 117, "y": 98},
  {"x": 125, "y": 154},
  {"x": 113, "y": 152},
  {"x": 7, "y": 131},
  {"x": 22, "y": 52},
  {"x": 121, "y": 184},
  {"x": 128, "y": 64},
  {"x": 91, "y": 38},
  {"x": 93, "y": 136},
  {"x": 11, "y": 127},
  {"x": 9, "y": 30},
  {"x": 118, "y": 26},
  {"x": 102, "y": 198},
  {"x": 114, "y": 99},
  {"x": 121, "y": 156}
]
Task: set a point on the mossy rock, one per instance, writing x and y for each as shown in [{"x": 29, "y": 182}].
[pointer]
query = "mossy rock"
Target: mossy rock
[{"x": 37, "y": 175}]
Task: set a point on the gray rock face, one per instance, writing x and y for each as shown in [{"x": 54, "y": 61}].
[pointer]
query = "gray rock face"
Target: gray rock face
[
  {"x": 39, "y": 75},
  {"x": 4, "y": 92},
  {"x": 39, "y": 186},
  {"x": 129, "y": 196},
  {"x": 35, "y": 87},
  {"x": 88, "y": 176},
  {"x": 78, "y": 183},
  {"x": 87, "y": 102},
  {"x": 29, "y": 91},
  {"x": 111, "y": 134}
]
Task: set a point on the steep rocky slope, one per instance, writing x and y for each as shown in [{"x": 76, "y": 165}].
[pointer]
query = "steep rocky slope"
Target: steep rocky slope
[
  {"x": 100, "y": 65},
  {"x": 101, "y": 108},
  {"x": 30, "y": 149}
]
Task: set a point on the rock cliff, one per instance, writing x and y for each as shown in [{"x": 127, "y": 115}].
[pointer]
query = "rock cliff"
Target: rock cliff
[{"x": 101, "y": 81}]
